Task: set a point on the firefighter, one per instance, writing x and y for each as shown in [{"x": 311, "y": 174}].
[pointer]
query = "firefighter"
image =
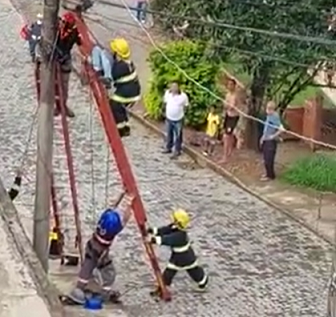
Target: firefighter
[
  {"x": 67, "y": 37},
  {"x": 182, "y": 256},
  {"x": 32, "y": 34},
  {"x": 127, "y": 90},
  {"x": 97, "y": 259},
  {"x": 15, "y": 189},
  {"x": 35, "y": 33}
]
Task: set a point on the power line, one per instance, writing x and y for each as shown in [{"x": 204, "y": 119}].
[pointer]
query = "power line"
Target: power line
[
  {"x": 218, "y": 24},
  {"x": 211, "y": 92},
  {"x": 259, "y": 54},
  {"x": 273, "y": 4}
]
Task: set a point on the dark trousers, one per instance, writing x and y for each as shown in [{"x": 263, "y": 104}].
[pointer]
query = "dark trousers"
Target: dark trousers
[
  {"x": 269, "y": 148},
  {"x": 120, "y": 115},
  {"x": 197, "y": 274},
  {"x": 174, "y": 135},
  {"x": 141, "y": 11},
  {"x": 32, "y": 47},
  {"x": 97, "y": 257}
]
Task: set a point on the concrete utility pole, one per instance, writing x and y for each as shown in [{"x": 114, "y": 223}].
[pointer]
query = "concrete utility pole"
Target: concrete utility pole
[{"x": 45, "y": 133}]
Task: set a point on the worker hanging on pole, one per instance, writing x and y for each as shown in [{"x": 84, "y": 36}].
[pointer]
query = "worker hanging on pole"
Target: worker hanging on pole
[
  {"x": 67, "y": 37},
  {"x": 97, "y": 262},
  {"x": 182, "y": 257},
  {"x": 125, "y": 81}
]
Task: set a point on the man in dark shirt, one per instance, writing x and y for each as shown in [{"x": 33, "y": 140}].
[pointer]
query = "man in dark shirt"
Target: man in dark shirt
[{"x": 68, "y": 36}]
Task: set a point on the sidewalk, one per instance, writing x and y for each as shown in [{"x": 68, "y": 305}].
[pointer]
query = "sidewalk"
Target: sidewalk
[
  {"x": 18, "y": 292},
  {"x": 312, "y": 210}
]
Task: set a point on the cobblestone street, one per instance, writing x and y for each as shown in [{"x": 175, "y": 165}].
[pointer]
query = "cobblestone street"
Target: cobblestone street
[{"x": 260, "y": 262}]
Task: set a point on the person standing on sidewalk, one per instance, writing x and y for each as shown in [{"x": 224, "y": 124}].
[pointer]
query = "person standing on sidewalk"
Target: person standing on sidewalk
[
  {"x": 141, "y": 10},
  {"x": 269, "y": 140},
  {"x": 175, "y": 102}
]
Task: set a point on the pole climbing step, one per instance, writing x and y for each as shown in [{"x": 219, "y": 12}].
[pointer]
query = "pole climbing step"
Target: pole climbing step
[
  {"x": 66, "y": 228},
  {"x": 119, "y": 152}
]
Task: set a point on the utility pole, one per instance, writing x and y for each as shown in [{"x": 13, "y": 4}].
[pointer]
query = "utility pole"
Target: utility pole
[{"x": 45, "y": 133}]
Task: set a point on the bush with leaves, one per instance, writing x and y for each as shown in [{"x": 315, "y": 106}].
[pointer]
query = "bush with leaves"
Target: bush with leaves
[
  {"x": 317, "y": 172},
  {"x": 193, "y": 59}
]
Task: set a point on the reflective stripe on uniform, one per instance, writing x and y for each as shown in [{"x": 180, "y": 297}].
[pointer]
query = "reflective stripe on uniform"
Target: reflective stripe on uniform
[
  {"x": 155, "y": 231},
  {"x": 53, "y": 236},
  {"x": 158, "y": 240},
  {"x": 83, "y": 281},
  {"x": 182, "y": 268},
  {"x": 203, "y": 281},
  {"x": 101, "y": 240},
  {"x": 122, "y": 125},
  {"x": 181, "y": 249},
  {"x": 127, "y": 78},
  {"x": 15, "y": 187},
  {"x": 124, "y": 99}
]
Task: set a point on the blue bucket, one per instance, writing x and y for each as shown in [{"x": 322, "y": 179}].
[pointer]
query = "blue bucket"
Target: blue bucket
[{"x": 94, "y": 303}]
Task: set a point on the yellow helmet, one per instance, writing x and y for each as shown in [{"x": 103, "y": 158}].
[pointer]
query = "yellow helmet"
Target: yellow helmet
[
  {"x": 121, "y": 48},
  {"x": 181, "y": 218}
]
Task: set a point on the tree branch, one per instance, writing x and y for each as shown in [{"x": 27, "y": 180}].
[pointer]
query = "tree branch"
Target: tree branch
[
  {"x": 282, "y": 80},
  {"x": 314, "y": 84},
  {"x": 294, "y": 89}
]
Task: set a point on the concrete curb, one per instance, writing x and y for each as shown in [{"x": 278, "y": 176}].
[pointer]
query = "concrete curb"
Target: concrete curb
[
  {"x": 16, "y": 231},
  {"x": 205, "y": 162}
]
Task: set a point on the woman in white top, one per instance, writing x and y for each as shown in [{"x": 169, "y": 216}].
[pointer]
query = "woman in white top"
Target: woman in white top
[{"x": 175, "y": 102}]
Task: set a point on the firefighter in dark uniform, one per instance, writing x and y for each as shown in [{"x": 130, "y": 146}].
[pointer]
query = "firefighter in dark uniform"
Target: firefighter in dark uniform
[
  {"x": 182, "y": 256},
  {"x": 67, "y": 37},
  {"x": 35, "y": 32},
  {"x": 127, "y": 90}
]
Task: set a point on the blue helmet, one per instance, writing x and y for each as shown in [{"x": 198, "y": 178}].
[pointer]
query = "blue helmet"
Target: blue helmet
[{"x": 109, "y": 223}]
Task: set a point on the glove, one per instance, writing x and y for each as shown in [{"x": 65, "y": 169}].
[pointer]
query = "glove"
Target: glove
[
  {"x": 106, "y": 82},
  {"x": 150, "y": 231},
  {"x": 150, "y": 239},
  {"x": 128, "y": 199}
]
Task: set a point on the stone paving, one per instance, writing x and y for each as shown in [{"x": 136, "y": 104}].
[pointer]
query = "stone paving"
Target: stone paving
[{"x": 260, "y": 262}]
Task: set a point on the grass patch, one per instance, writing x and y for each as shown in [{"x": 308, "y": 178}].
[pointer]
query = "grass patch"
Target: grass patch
[
  {"x": 299, "y": 99},
  {"x": 317, "y": 171}
]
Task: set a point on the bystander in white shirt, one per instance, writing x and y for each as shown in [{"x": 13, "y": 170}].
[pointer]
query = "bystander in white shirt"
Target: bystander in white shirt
[{"x": 175, "y": 105}]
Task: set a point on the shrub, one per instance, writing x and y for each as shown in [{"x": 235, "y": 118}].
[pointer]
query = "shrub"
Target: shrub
[
  {"x": 192, "y": 58},
  {"x": 317, "y": 172}
]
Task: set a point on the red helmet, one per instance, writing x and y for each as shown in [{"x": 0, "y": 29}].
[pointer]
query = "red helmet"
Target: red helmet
[{"x": 69, "y": 18}]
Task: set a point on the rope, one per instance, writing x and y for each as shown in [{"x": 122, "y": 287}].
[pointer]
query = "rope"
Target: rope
[
  {"x": 93, "y": 191},
  {"x": 29, "y": 139},
  {"x": 242, "y": 113},
  {"x": 107, "y": 175},
  {"x": 36, "y": 110}
]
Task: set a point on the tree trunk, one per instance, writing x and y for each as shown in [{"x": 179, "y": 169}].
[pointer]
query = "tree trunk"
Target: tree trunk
[{"x": 260, "y": 80}]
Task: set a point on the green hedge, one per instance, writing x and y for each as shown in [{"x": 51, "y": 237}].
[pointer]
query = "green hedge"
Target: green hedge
[
  {"x": 192, "y": 58},
  {"x": 317, "y": 172}
]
